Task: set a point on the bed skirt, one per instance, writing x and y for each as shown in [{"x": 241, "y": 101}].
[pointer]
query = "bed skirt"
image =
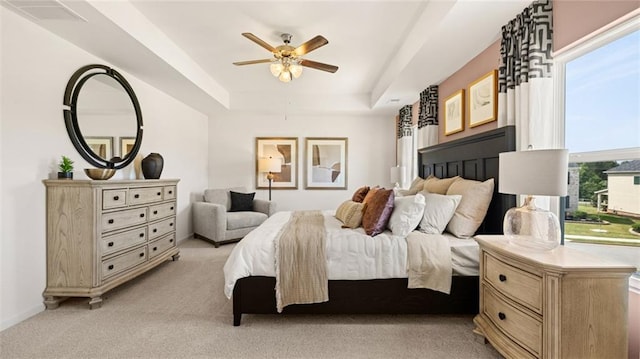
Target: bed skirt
[{"x": 256, "y": 295}]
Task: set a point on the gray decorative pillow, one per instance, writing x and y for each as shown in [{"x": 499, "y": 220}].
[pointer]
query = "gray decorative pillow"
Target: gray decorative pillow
[
  {"x": 241, "y": 201},
  {"x": 438, "y": 211}
]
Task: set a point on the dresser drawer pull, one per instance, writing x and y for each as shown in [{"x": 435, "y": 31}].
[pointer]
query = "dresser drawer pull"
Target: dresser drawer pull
[
  {"x": 155, "y": 212},
  {"x": 110, "y": 244},
  {"x": 170, "y": 224},
  {"x": 159, "y": 193},
  {"x": 502, "y": 277},
  {"x": 142, "y": 235},
  {"x": 110, "y": 221},
  {"x": 170, "y": 192},
  {"x": 141, "y": 215},
  {"x": 110, "y": 266},
  {"x": 171, "y": 240},
  {"x": 142, "y": 254},
  {"x": 155, "y": 249},
  {"x": 136, "y": 196},
  {"x": 115, "y": 198},
  {"x": 155, "y": 230},
  {"x": 172, "y": 208},
  {"x": 502, "y": 316}
]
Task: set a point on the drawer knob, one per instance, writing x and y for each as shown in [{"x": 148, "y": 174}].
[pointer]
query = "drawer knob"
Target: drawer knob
[
  {"x": 110, "y": 266},
  {"x": 136, "y": 196},
  {"x": 172, "y": 208},
  {"x": 155, "y": 230},
  {"x": 142, "y": 254},
  {"x": 110, "y": 244},
  {"x": 155, "y": 249},
  {"x": 159, "y": 193},
  {"x": 142, "y": 235},
  {"x": 502, "y": 277},
  {"x": 115, "y": 198},
  {"x": 170, "y": 224},
  {"x": 170, "y": 192},
  {"x": 502, "y": 316},
  {"x": 155, "y": 212},
  {"x": 110, "y": 221},
  {"x": 141, "y": 215},
  {"x": 171, "y": 240}
]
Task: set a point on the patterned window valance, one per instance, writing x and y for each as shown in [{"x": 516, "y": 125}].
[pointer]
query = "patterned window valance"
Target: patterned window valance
[
  {"x": 404, "y": 122},
  {"x": 428, "y": 107}
]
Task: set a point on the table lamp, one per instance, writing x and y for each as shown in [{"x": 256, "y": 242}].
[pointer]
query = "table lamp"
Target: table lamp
[
  {"x": 533, "y": 173},
  {"x": 270, "y": 166},
  {"x": 397, "y": 175}
]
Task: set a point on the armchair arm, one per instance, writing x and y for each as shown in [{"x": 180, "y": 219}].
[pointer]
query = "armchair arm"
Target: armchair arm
[
  {"x": 266, "y": 207},
  {"x": 210, "y": 220}
]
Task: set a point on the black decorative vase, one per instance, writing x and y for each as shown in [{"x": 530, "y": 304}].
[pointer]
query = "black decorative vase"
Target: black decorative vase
[
  {"x": 152, "y": 166},
  {"x": 65, "y": 175}
]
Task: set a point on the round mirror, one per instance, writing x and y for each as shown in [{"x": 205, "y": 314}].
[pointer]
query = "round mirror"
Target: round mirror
[{"x": 104, "y": 120}]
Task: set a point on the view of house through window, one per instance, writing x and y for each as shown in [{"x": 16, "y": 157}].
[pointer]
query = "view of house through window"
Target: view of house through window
[{"x": 602, "y": 133}]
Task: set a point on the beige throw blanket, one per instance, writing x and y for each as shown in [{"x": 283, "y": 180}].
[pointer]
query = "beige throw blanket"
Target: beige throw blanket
[
  {"x": 429, "y": 262},
  {"x": 301, "y": 265}
]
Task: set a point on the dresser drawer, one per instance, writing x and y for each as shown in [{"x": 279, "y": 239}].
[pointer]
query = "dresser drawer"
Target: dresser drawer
[
  {"x": 161, "y": 228},
  {"x": 169, "y": 192},
  {"x": 522, "y": 286},
  {"x": 161, "y": 210},
  {"x": 161, "y": 245},
  {"x": 124, "y": 240},
  {"x": 114, "y": 198},
  {"x": 525, "y": 330},
  {"x": 145, "y": 195},
  {"x": 127, "y": 260},
  {"x": 122, "y": 219}
]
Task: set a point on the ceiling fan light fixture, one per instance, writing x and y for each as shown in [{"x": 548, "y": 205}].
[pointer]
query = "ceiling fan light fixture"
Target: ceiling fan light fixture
[
  {"x": 296, "y": 70},
  {"x": 276, "y": 68},
  {"x": 285, "y": 76}
]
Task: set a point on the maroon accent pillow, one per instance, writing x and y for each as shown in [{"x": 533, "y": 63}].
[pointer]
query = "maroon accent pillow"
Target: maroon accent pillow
[
  {"x": 378, "y": 211},
  {"x": 360, "y": 193}
]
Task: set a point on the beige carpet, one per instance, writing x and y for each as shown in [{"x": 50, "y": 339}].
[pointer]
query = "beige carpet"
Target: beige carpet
[{"x": 178, "y": 310}]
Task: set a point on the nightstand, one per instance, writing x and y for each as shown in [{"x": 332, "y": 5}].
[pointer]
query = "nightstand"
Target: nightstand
[{"x": 562, "y": 303}]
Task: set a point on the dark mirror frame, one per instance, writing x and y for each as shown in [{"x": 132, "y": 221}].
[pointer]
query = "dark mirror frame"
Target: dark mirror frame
[{"x": 71, "y": 93}]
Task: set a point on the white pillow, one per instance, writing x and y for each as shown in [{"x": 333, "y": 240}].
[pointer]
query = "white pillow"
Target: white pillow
[
  {"x": 438, "y": 211},
  {"x": 407, "y": 213}
]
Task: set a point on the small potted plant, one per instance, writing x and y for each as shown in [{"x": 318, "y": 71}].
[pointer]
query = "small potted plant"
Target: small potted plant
[{"x": 66, "y": 168}]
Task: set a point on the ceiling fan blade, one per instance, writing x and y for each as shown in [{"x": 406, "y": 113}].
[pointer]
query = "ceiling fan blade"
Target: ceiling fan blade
[
  {"x": 258, "y": 41},
  {"x": 319, "y": 66},
  {"x": 251, "y": 62},
  {"x": 310, "y": 45}
]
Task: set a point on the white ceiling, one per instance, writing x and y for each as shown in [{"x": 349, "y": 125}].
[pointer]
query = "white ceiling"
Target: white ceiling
[{"x": 385, "y": 50}]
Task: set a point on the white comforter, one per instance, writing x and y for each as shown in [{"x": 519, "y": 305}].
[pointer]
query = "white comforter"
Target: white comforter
[{"x": 351, "y": 254}]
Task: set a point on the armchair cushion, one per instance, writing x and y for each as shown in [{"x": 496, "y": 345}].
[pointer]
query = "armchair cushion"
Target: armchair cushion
[
  {"x": 241, "y": 202},
  {"x": 221, "y": 196},
  {"x": 237, "y": 220}
]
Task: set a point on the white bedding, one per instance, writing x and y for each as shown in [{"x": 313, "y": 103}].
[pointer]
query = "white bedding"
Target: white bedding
[{"x": 351, "y": 254}]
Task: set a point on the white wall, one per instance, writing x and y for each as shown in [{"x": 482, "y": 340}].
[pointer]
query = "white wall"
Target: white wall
[
  {"x": 35, "y": 68},
  {"x": 232, "y": 142}
]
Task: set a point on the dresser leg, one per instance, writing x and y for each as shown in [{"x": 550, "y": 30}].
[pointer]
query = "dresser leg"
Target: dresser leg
[
  {"x": 52, "y": 302},
  {"x": 95, "y": 302},
  {"x": 175, "y": 257}
]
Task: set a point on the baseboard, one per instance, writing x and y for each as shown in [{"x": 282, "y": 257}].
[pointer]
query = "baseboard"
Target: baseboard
[{"x": 5, "y": 324}]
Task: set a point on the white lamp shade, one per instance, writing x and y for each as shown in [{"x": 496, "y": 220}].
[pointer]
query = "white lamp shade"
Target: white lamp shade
[
  {"x": 397, "y": 174},
  {"x": 534, "y": 172},
  {"x": 296, "y": 70},
  {"x": 269, "y": 165},
  {"x": 276, "y": 68}
]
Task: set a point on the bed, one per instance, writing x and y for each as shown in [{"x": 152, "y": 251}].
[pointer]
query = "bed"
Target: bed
[{"x": 474, "y": 157}]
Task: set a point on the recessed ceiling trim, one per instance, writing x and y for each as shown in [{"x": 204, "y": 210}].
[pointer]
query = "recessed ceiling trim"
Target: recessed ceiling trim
[{"x": 45, "y": 10}]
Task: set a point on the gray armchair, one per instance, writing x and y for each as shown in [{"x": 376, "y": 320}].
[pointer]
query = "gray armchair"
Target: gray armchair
[{"x": 213, "y": 222}]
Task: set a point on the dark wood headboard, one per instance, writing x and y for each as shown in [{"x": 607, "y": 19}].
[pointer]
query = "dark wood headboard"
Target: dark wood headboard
[{"x": 474, "y": 157}]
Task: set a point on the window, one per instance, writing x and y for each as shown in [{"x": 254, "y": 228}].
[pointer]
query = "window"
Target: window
[{"x": 601, "y": 83}]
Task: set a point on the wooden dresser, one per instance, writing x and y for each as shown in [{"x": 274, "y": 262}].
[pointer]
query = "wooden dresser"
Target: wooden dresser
[
  {"x": 556, "y": 304},
  {"x": 101, "y": 234}
]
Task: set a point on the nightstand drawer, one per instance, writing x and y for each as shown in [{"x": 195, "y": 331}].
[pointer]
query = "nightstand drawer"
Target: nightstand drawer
[
  {"x": 525, "y": 330},
  {"x": 522, "y": 286}
]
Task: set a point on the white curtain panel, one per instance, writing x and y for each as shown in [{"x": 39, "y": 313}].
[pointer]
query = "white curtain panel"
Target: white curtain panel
[
  {"x": 428, "y": 118},
  {"x": 525, "y": 84},
  {"x": 406, "y": 151}
]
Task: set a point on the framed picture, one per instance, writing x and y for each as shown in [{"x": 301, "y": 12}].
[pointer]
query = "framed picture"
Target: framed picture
[
  {"x": 483, "y": 99},
  {"x": 126, "y": 145},
  {"x": 454, "y": 113},
  {"x": 286, "y": 150},
  {"x": 325, "y": 163},
  {"x": 101, "y": 146}
]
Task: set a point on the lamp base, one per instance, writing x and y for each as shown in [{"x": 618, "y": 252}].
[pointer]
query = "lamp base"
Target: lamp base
[{"x": 532, "y": 227}]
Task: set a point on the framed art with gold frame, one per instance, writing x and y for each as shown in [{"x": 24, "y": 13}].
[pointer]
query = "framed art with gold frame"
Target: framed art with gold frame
[
  {"x": 285, "y": 149},
  {"x": 483, "y": 99},
  {"x": 454, "y": 113}
]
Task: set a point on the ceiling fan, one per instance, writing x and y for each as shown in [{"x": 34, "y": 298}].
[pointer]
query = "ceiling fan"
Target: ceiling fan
[{"x": 287, "y": 60}]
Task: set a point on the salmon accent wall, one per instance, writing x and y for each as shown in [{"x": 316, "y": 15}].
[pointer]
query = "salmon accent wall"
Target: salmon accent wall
[{"x": 480, "y": 65}]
